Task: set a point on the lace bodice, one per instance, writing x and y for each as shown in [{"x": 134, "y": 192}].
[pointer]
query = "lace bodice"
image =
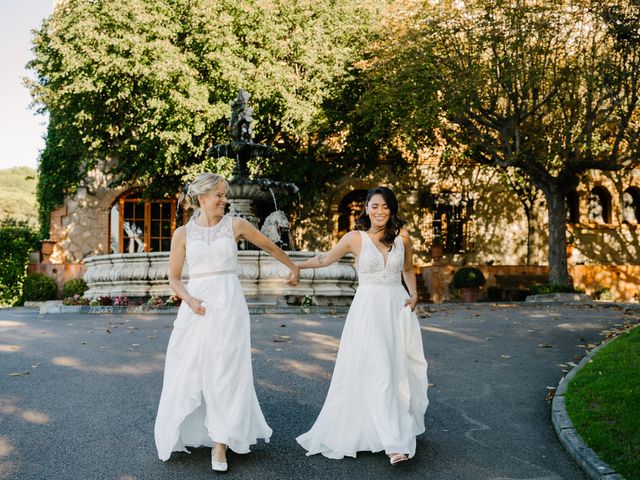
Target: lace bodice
[
  {"x": 372, "y": 269},
  {"x": 211, "y": 250}
]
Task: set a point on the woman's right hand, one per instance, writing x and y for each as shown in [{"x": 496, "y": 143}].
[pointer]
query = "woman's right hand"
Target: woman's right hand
[{"x": 196, "y": 305}]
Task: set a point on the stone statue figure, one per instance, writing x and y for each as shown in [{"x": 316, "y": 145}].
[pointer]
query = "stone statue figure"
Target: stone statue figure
[
  {"x": 135, "y": 235},
  {"x": 241, "y": 119},
  {"x": 276, "y": 228}
]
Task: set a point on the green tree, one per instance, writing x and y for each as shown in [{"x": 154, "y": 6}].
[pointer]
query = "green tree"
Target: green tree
[
  {"x": 146, "y": 83},
  {"x": 18, "y": 195},
  {"x": 548, "y": 88},
  {"x": 17, "y": 240}
]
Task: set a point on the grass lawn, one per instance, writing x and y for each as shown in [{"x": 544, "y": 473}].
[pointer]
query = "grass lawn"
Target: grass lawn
[{"x": 603, "y": 401}]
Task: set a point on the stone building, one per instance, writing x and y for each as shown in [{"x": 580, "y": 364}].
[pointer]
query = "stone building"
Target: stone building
[{"x": 479, "y": 220}]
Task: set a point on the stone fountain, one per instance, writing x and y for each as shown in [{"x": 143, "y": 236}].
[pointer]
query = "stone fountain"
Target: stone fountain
[{"x": 262, "y": 277}]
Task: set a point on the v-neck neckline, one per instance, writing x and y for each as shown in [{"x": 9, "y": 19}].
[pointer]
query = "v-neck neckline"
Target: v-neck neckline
[{"x": 384, "y": 257}]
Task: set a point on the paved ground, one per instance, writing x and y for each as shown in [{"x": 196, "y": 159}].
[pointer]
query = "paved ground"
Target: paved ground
[{"x": 86, "y": 408}]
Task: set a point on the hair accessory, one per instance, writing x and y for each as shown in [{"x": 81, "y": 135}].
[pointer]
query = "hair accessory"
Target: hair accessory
[{"x": 185, "y": 189}]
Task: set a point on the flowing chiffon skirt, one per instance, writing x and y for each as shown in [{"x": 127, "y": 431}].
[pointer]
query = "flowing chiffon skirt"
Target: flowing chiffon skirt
[
  {"x": 208, "y": 393},
  {"x": 378, "y": 393}
]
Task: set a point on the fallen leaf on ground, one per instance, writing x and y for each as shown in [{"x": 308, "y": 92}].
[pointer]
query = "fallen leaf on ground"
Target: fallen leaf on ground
[
  {"x": 592, "y": 345},
  {"x": 545, "y": 345},
  {"x": 281, "y": 338},
  {"x": 17, "y": 374},
  {"x": 108, "y": 331},
  {"x": 505, "y": 356},
  {"x": 581, "y": 346}
]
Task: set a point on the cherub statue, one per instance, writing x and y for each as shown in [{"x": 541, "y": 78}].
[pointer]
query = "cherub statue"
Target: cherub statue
[{"x": 241, "y": 119}]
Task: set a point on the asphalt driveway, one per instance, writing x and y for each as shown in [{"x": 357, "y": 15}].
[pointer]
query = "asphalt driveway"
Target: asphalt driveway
[{"x": 78, "y": 394}]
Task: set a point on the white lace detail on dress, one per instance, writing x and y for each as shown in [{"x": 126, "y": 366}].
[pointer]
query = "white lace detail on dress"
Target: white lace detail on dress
[
  {"x": 371, "y": 265},
  {"x": 223, "y": 229}
]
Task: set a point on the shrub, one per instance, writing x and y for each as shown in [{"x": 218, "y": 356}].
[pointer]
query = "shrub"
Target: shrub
[
  {"x": 552, "y": 288},
  {"x": 121, "y": 301},
  {"x": 17, "y": 240},
  {"x": 173, "y": 300},
  {"x": 38, "y": 287},
  {"x": 603, "y": 294},
  {"x": 307, "y": 301},
  {"x": 76, "y": 300},
  {"x": 468, "y": 277},
  {"x": 494, "y": 293},
  {"x": 105, "y": 301},
  {"x": 77, "y": 286},
  {"x": 155, "y": 301}
]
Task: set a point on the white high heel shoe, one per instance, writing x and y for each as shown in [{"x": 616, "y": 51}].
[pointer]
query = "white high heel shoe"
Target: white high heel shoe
[{"x": 218, "y": 466}]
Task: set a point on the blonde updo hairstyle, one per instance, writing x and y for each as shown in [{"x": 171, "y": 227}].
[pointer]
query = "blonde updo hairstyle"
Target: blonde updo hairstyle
[{"x": 201, "y": 185}]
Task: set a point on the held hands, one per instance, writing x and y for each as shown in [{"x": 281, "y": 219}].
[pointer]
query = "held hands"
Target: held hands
[
  {"x": 412, "y": 301},
  {"x": 294, "y": 276},
  {"x": 197, "y": 305}
]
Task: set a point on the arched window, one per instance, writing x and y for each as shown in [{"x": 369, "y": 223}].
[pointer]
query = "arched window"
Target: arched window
[
  {"x": 138, "y": 225},
  {"x": 600, "y": 205},
  {"x": 631, "y": 205},
  {"x": 349, "y": 210},
  {"x": 573, "y": 207}
]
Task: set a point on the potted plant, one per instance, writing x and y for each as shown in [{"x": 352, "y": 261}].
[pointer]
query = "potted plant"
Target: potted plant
[
  {"x": 571, "y": 240},
  {"x": 469, "y": 280},
  {"x": 437, "y": 251}
]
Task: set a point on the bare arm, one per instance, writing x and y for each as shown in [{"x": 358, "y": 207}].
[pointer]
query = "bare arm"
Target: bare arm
[
  {"x": 176, "y": 262},
  {"x": 349, "y": 243},
  {"x": 408, "y": 274},
  {"x": 244, "y": 230}
]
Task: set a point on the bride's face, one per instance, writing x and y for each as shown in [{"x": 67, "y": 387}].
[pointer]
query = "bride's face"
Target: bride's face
[
  {"x": 378, "y": 211},
  {"x": 214, "y": 202}
]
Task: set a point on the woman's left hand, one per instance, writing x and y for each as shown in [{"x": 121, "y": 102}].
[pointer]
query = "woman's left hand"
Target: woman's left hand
[{"x": 411, "y": 302}]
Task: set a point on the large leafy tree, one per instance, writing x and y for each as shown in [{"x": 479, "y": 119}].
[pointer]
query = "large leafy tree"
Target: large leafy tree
[
  {"x": 548, "y": 89},
  {"x": 147, "y": 83}
]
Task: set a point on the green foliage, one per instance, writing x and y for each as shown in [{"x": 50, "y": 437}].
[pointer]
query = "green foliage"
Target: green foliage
[
  {"x": 603, "y": 400},
  {"x": 39, "y": 287},
  {"x": 77, "y": 286},
  {"x": 548, "y": 89},
  {"x": 60, "y": 168},
  {"x": 18, "y": 195},
  {"x": 17, "y": 240},
  {"x": 552, "y": 288},
  {"x": 145, "y": 84},
  {"x": 603, "y": 294},
  {"x": 468, "y": 277}
]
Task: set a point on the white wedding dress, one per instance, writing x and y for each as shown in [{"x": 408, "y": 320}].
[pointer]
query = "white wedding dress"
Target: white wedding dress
[
  {"x": 208, "y": 393},
  {"x": 378, "y": 394}
]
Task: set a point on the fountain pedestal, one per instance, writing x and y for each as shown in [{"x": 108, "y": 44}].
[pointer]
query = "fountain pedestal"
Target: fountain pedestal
[{"x": 262, "y": 277}]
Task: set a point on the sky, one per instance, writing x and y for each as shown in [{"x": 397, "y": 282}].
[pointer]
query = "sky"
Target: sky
[{"x": 21, "y": 129}]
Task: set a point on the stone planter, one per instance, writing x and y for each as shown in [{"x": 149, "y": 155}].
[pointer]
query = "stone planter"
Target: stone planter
[{"x": 470, "y": 294}]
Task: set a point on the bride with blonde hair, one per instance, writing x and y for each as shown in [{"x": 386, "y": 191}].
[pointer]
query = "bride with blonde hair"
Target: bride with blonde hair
[{"x": 208, "y": 396}]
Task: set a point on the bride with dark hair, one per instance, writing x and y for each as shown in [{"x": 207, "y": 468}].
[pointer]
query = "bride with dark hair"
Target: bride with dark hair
[{"x": 378, "y": 393}]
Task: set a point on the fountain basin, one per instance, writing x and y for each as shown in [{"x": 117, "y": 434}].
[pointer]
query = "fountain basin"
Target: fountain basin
[{"x": 262, "y": 278}]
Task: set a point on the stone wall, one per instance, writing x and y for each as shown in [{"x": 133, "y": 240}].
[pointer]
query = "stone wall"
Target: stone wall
[
  {"x": 80, "y": 227},
  {"x": 623, "y": 281}
]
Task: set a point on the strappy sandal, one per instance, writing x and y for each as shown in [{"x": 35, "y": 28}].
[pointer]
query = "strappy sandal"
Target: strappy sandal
[{"x": 396, "y": 458}]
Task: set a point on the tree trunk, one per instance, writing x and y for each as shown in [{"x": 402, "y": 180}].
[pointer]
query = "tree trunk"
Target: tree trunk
[
  {"x": 530, "y": 232},
  {"x": 557, "y": 215}
]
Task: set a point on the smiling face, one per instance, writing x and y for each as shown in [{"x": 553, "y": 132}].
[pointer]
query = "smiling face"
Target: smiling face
[
  {"x": 378, "y": 211},
  {"x": 214, "y": 202}
]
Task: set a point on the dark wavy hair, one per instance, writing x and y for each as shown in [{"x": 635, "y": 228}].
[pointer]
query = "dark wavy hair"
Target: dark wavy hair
[{"x": 395, "y": 223}]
